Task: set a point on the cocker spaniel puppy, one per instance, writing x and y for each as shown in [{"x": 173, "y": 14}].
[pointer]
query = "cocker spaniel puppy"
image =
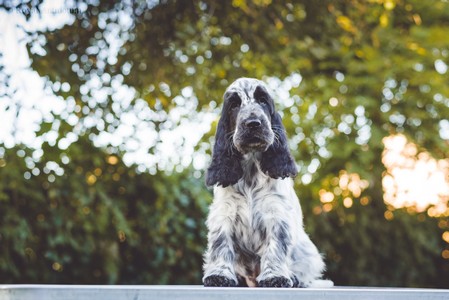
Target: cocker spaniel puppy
[{"x": 256, "y": 235}]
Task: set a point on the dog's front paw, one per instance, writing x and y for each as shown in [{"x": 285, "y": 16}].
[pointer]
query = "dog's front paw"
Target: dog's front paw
[
  {"x": 297, "y": 283},
  {"x": 275, "y": 282},
  {"x": 217, "y": 280}
]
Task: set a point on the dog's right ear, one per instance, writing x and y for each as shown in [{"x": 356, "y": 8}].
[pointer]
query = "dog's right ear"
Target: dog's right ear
[{"x": 225, "y": 168}]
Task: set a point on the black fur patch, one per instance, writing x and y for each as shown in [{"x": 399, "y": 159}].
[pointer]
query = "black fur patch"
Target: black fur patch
[
  {"x": 225, "y": 168},
  {"x": 284, "y": 236},
  {"x": 277, "y": 162},
  {"x": 219, "y": 251},
  {"x": 275, "y": 282},
  {"x": 264, "y": 99},
  {"x": 242, "y": 281},
  {"x": 219, "y": 281},
  {"x": 296, "y": 282},
  {"x": 219, "y": 242}
]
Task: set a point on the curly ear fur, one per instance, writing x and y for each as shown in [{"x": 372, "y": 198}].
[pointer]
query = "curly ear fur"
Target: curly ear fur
[
  {"x": 225, "y": 168},
  {"x": 277, "y": 162}
]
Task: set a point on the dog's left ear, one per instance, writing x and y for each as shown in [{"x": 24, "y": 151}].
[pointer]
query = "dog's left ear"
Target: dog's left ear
[{"x": 277, "y": 162}]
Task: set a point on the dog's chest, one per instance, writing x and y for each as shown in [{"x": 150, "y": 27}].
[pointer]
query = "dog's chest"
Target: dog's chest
[{"x": 250, "y": 231}]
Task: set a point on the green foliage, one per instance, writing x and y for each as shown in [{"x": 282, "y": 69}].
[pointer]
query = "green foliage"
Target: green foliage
[
  {"x": 368, "y": 70},
  {"x": 99, "y": 222},
  {"x": 363, "y": 248}
]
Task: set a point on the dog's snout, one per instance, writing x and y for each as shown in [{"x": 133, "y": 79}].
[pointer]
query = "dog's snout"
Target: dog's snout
[
  {"x": 253, "y": 132},
  {"x": 253, "y": 123}
]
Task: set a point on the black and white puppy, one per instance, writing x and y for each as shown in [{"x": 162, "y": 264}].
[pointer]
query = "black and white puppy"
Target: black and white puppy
[{"x": 256, "y": 235}]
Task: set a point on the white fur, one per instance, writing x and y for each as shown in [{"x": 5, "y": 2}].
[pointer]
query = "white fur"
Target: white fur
[{"x": 271, "y": 201}]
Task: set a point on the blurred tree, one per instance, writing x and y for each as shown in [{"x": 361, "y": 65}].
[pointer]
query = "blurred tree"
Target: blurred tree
[
  {"x": 367, "y": 70},
  {"x": 97, "y": 222}
]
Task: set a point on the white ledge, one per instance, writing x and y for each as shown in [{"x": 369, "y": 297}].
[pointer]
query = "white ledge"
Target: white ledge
[{"x": 142, "y": 292}]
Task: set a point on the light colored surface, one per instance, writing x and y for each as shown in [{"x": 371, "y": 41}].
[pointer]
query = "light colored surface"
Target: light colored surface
[{"x": 141, "y": 292}]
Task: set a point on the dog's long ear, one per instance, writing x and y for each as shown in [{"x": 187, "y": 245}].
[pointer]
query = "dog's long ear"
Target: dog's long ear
[
  {"x": 277, "y": 162},
  {"x": 225, "y": 168}
]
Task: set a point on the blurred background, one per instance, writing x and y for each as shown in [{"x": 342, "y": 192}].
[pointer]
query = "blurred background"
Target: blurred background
[{"x": 108, "y": 111}]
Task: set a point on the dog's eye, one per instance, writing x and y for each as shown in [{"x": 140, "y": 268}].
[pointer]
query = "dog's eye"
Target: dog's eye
[
  {"x": 234, "y": 102},
  {"x": 263, "y": 101},
  {"x": 262, "y": 96}
]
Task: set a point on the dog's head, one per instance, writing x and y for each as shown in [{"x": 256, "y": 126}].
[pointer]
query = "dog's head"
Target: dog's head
[
  {"x": 251, "y": 109},
  {"x": 249, "y": 123}
]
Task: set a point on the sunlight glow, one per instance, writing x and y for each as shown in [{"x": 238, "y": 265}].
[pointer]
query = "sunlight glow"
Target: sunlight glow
[
  {"x": 347, "y": 185},
  {"x": 414, "y": 179}
]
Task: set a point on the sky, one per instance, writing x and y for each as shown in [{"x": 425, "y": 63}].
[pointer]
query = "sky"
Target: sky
[{"x": 412, "y": 179}]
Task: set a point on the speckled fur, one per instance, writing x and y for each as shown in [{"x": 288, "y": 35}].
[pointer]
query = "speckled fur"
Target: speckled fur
[{"x": 256, "y": 235}]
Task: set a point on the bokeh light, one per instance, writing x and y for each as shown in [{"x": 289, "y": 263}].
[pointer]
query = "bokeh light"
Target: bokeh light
[{"x": 413, "y": 178}]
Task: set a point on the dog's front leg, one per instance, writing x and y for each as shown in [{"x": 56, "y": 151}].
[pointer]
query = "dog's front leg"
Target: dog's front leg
[
  {"x": 220, "y": 256},
  {"x": 219, "y": 261},
  {"x": 274, "y": 255}
]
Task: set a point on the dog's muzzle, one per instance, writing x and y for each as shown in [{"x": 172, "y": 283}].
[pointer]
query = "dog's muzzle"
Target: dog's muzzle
[{"x": 253, "y": 133}]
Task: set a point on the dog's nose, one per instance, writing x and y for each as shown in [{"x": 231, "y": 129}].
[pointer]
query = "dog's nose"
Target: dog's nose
[{"x": 253, "y": 123}]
